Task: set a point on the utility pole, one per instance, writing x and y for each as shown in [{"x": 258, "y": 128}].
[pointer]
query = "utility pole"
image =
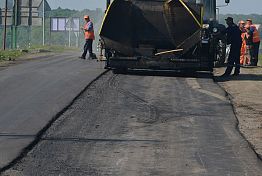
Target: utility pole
[
  {"x": 15, "y": 24},
  {"x": 69, "y": 35},
  {"x": 43, "y": 22},
  {"x": 4, "y": 41}
]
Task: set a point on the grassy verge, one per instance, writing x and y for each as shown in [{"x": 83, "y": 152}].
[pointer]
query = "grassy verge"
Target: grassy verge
[
  {"x": 13, "y": 54},
  {"x": 10, "y": 54}
]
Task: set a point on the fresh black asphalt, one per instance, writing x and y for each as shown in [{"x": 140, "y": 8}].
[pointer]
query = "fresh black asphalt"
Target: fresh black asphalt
[
  {"x": 33, "y": 92},
  {"x": 144, "y": 124}
]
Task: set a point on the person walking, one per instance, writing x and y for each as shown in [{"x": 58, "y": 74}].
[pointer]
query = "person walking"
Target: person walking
[
  {"x": 89, "y": 37},
  {"x": 256, "y": 42},
  {"x": 233, "y": 34}
]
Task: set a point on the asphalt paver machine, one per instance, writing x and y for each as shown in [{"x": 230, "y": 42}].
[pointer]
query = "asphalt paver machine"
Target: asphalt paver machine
[{"x": 162, "y": 35}]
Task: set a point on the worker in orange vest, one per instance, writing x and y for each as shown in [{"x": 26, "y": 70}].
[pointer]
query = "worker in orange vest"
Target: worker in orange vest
[
  {"x": 89, "y": 37},
  {"x": 244, "y": 59},
  {"x": 256, "y": 42}
]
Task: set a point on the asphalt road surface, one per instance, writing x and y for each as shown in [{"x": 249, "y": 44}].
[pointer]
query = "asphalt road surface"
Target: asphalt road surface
[
  {"x": 139, "y": 125},
  {"x": 33, "y": 92}
]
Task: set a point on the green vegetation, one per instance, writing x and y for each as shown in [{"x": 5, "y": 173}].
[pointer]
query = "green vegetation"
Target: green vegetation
[
  {"x": 260, "y": 59},
  {"x": 9, "y": 54},
  {"x": 257, "y": 19},
  {"x": 13, "y": 54}
]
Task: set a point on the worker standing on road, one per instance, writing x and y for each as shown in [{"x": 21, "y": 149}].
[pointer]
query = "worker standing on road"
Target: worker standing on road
[
  {"x": 256, "y": 42},
  {"x": 249, "y": 43},
  {"x": 89, "y": 37},
  {"x": 234, "y": 38},
  {"x": 244, "y": 59}
]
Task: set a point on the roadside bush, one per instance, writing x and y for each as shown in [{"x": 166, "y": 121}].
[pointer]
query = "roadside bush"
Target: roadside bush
[{"x": 9, "y": 54}]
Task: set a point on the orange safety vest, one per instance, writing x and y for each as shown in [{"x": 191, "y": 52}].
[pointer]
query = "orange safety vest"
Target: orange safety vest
[
  {"x": 243, "y": 58},
  {"x": 256, "y": 37},
  {"x": 89, "y": 34}
]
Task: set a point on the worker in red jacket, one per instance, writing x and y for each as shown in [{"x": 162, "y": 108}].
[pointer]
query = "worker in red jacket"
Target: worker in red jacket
[
  {"x": 256, "y": 42},
  {"x": 89, "y": 37}
]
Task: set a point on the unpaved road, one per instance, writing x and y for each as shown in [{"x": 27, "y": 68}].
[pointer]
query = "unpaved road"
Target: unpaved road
[
  {"x": 32, "y": 93},
  {"x": 137, "y": 125},
  {"x": 245, "y": 93}
]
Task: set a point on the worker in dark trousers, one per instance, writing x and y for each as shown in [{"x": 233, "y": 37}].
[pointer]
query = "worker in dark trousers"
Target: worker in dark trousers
[
  {"x": 233, "y": 34},
  {"x": 89, "y": 37},
  {"x": 255, "y": 40}
]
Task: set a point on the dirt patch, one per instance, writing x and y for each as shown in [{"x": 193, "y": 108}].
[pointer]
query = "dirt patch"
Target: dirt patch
[{"x": 245, "y": 93}]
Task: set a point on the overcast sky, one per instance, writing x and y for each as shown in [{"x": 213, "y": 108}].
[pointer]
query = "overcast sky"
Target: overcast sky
[{"x": 236, "y": 6}]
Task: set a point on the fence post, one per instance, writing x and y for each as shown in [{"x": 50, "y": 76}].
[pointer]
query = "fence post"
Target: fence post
[{"x": 4, "y": 38}]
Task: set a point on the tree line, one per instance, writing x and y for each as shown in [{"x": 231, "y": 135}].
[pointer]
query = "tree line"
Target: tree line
[{"x": 257, "y": 19}]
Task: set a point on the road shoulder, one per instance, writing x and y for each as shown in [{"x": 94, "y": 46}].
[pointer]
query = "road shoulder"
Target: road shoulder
[
  {"x": 244, "y": 92},
  {"x": 14, "y": 57},
  {"x": 25, "y": 58}
]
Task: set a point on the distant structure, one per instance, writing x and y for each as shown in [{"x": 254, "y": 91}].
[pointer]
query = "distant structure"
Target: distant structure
[{"x": 26, "y": 12}]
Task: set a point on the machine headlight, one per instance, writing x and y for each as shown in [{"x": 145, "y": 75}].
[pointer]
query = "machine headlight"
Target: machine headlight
[
  {"x": 205, "y": 26},
  {"x": 215, "y": 30}
]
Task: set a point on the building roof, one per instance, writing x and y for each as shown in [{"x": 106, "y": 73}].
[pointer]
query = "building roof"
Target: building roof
[
  {"x": 25, "y": 3},
  {"x": 30, "y": 12}
]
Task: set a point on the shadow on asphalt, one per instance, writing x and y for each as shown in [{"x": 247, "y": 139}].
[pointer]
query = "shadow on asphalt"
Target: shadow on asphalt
[
  {"x": 187, "y": 74},
  {"x": 241, "y": 77}
]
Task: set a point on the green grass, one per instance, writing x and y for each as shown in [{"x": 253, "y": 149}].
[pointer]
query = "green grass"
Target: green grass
[{"x": 5, "y": 55}]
